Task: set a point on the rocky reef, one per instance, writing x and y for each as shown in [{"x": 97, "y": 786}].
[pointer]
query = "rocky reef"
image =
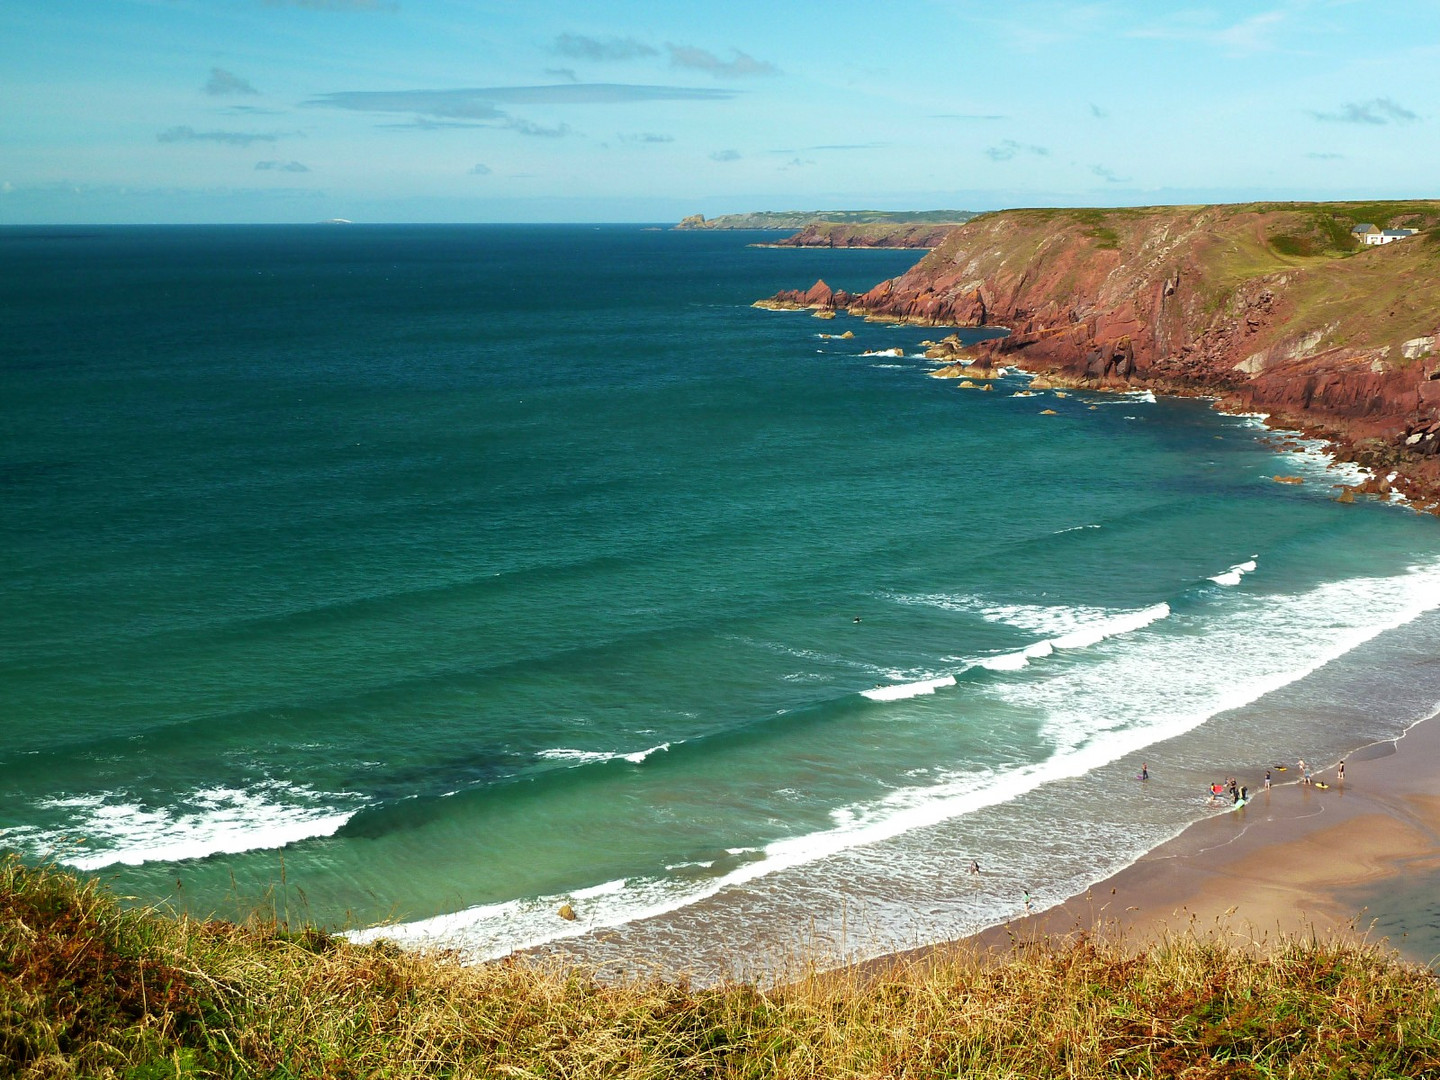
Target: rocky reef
[{"x": 1270, "y": 308}]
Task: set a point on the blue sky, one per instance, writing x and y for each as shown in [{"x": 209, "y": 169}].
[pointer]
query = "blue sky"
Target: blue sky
[{"x": 461, "y": 110}]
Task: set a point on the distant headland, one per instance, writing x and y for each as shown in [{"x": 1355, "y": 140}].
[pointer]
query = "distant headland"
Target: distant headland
[{"x": 843, "y": 228}]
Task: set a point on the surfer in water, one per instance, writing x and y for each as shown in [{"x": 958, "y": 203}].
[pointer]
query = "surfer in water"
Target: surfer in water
[
  {"x": 1144, "y": 770},
  {"x": 974, "y": 867}
]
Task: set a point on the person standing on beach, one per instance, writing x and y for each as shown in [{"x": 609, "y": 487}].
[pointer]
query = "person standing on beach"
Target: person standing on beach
[
  {"x": 1341, "y": 777},
  {"x": 1145, "y": 770},
  {"x": 1267, "y": 779},
  {"x": 1304, "y": 772}
]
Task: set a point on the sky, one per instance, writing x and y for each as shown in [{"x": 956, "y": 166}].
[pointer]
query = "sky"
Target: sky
[{"x": 182, "y": 111}]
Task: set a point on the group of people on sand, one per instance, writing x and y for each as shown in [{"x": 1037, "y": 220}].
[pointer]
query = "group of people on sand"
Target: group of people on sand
[
  {"x": 1231, "y": 787},
  {"x": 1238, "y": 794},
  {"x": 1241, "y": 794}
]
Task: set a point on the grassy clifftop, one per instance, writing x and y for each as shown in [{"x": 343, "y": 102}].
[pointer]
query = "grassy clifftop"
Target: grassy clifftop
[
  {"x": 88, "y": 988},
  {"x": 1083, "y": 263}
]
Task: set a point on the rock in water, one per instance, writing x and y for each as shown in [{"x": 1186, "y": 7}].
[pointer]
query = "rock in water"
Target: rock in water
[{"x": 567, "y": 913}]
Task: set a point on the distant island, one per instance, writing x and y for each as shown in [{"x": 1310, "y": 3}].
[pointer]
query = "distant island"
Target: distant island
[
  {"x": 1324, "y": 315},
  {"x": 843, "y": 228}
]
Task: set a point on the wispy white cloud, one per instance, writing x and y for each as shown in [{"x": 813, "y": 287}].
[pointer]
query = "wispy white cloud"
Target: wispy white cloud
[
  {"x": 424, "y": 123},
  {"x": 725, "y": 155},
  {"x": 647, "y": 137},
  {"x": 230, "y": 138},
  {"x": 223, "y": 83},
  {"x": 1375, "y": 111},
  {"x": 1109, "y": 176},
  {"x": 1009, "y": 148},
  {"x": 969, "y": 116},
  {"x": 588, "y": 48},
  {"x": 482, "y": 103},
  {"x": 743, "y": 65},
  {"x": 529, "y": 127},
  {"x": 479, "y": 170},
  {"x": 281, "y": 166},
  {"x": 1256, "y": 33},
  {"x": 1325, "y": 157}
]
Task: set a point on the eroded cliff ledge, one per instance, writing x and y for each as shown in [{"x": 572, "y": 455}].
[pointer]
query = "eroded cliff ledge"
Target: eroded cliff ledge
[{"x": 1271, "y": 308}]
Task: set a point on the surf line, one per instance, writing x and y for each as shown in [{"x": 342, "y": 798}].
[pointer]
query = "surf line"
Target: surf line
[{"x": 1080, "y": 638}]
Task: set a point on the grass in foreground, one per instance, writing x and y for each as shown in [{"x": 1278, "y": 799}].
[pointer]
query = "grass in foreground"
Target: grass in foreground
[{"x": 89, "y": 988}]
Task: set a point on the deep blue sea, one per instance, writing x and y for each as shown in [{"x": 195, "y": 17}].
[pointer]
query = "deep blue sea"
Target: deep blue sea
[{"x": 449, "y": 574}]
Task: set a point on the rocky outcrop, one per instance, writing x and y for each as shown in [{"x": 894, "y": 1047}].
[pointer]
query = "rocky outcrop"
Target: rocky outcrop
[{"x": 1271, "y": 308}]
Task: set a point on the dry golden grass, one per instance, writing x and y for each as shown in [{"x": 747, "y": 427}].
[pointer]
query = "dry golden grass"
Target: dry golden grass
[{"x": 88, "y": 988}]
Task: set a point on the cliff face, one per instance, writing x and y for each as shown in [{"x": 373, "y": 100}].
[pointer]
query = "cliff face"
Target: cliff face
[{"x": 1272, "y": 308}]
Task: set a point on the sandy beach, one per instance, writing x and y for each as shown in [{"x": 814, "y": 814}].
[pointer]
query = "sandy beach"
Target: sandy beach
[{"x": 1295, "y": 859}]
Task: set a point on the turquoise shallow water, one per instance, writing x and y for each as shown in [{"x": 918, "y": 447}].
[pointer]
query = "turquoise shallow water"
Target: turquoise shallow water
[{"x": 470, "y": 570}]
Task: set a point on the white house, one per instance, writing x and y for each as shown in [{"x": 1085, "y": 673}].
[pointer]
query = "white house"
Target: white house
[{"x": 1383, "y": 236}]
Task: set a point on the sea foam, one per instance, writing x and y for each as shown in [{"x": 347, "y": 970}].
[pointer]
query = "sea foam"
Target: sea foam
[
  {"x": 1094, "y": 715},
  {"x": 1235, "y": 573},
  {"x": 900, "y": 691},
  {"x": 209, "y": 821}
]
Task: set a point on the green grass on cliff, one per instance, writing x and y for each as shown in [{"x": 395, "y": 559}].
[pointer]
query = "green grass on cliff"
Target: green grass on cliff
[{"x": 91, "y": 988}]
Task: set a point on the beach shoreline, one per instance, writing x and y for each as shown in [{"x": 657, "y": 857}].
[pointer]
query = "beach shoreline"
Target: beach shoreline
[{"x": 1289, "y": 862}]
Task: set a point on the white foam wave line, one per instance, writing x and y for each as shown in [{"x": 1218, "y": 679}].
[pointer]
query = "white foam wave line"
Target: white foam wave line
[
  {"x": 640, "y": 755},
  {"x": 1037, "y": 618},
  {"x": 1314, "y": 457},
  {"x": 223, "y": 821},
  {"x": 1235, "y": 573},
  {"x": 576, "y": 758},
  {"x": 1080, "y": 638},
  {"x": 1073, "y": 628},
  {"x": 1074, "y": 528},
  {"x": 897, "y": 813},
  {"x": 901, "y": 691}
]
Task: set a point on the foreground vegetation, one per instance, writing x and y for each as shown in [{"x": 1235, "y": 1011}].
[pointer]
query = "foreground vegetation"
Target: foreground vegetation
[{"x": 90, "y": 988}]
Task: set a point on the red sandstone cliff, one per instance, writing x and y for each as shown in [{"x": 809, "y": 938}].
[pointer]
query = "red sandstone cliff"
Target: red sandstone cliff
[{"x": 1271, "y": 308}]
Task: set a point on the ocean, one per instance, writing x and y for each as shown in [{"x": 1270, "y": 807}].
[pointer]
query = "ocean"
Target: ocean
[{"x": 440, "y": 576}]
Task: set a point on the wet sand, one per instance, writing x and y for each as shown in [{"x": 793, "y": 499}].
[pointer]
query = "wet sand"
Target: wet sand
[{"x": 1290, "y": 861}]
